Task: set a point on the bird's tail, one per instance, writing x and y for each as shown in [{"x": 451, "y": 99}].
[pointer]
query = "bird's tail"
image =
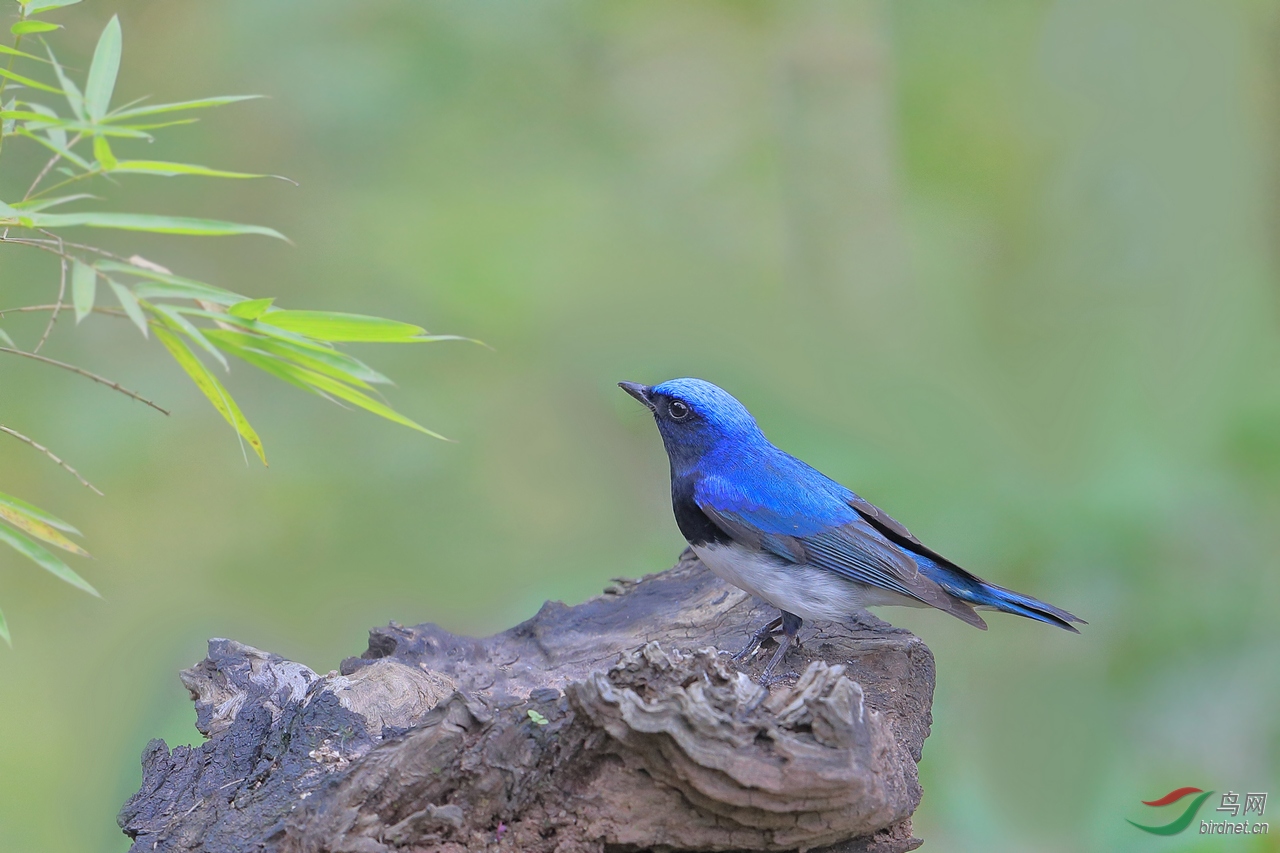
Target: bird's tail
[
  {"x": 999, "y": 598},
  {"x": 974, "y": 590}
]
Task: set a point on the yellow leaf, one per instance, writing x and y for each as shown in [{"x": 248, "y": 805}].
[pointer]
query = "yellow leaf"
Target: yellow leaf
[{"x": 212, "y": 388}]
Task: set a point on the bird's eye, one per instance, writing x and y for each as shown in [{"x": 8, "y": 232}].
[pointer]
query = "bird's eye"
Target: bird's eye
[{"x": 678, "y": 411}]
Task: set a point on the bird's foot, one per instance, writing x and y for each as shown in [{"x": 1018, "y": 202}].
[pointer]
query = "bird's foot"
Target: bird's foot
[
  {"x": 761, "y": 634},
  {"x": 789, "y": 628},
  {"x": 767, "y": 680}
]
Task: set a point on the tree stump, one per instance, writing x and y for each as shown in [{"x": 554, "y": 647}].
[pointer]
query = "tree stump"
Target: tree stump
[{"x": 612, "y": 726}]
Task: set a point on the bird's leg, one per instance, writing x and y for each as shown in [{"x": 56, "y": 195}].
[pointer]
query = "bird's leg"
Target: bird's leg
[
  {"x": 790, "y": 626},
  {"x": 757, "y": 638}
]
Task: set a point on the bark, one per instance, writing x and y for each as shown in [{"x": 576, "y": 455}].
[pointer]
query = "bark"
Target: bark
[{"x": 612, "y": 726}]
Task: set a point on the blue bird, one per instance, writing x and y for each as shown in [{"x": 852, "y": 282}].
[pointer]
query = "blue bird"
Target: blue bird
[{"x": 771, "y": 525}]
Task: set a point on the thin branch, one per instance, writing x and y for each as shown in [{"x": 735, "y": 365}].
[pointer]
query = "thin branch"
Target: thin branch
[
  {"x": 47, "y": 452},
  {"x": 27, "y": 309},
  {"x": 84, "y": 247},
  {"x": 102, "y": 380},
  {"x": 47, "y": 166},
  {"x": 50, "y": 244},
  {"x": 93, "y": 173},
  {"x": 53, "y": 318}
]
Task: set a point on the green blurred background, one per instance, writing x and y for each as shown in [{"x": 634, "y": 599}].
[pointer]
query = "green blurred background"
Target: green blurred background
[{"x": 1005, "y": 267}]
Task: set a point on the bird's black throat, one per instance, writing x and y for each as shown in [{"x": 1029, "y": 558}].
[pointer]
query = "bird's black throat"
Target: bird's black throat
[{"x": 692, "y": 521}]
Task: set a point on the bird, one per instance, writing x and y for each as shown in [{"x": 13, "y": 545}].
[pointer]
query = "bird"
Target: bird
[{"x": 770, "y": 524}]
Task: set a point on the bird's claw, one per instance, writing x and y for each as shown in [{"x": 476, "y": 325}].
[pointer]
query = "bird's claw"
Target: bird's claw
[
  {"x": 753, "y": 644},
  {"x": 769, "y": 679}
]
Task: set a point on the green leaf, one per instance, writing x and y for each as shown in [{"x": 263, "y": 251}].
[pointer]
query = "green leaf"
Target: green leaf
[
  {"x": 169, "y": 170},
  {"x": 12, "y": 216},
  {"x": 333, "y": 326},
  {"x": 103, "y": 70},
  {"x": 257, "y": 328},
  {"x": 153, "y": 224},
  {"x": 102, "y": 150},
  {"x": 23, "y": 28},
  {"x": 129, "y": 303},
  {"x": 251, "y": 309},
  {"x": 4, "y": 631},
  {"x": 125, "y": 131},
  {"x": 56, "y": 134},
  {"x": 310, "y": 380},
  {"x": 27, "y": 81},
  {"x": 39, "y": 529},
  {"x": 74, "y": 99},
  {"x": 46, "y": 5},
  {"x": 37, "y": 513},
  {"x": 5, "y": 49},
  {"x": 536, "y": 717},
  {"x": 179, "y": 323},
  {"x": 175, "y": 123},
  {"x": 37, "y": 204},
  {"x": 6, "y": 340},
  {"x": 56, "y": 149},
  {"x": 169, "y": 286},
  {"x": 329, "y": 362},
  {"x": 212, "y": 388},
  {"x": 180, "y": 105},
  {"x": 84, "y": 287},
  {"x": 25, "y": 115},
  {"x": 44, "y": 559}
]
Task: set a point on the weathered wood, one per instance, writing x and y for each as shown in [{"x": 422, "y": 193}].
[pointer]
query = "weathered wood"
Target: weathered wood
[{"x": 612, "y": 726}]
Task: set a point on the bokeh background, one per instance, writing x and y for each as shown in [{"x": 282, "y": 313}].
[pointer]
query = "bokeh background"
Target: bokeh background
[{"x": 1005, "y": 267}]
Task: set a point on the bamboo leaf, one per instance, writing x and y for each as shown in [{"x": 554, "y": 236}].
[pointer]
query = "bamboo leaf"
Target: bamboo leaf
[
  {"x": 37, "y": 204},
  {"x": 333, "y": 326},
  {"x": 5, "y": 49},
  {"x": 180, "y": 105},
  {"x": 37, "y": 513},
  {"x": 251, "y": 309},
  {"x": 40, "y": 530},
  {"x": 59, "y": 149},
  {"x": 169, "y": 170},
  {"x": 179, "y": 323},
  {"x": 257, "y": 328},
  {"x": 211, "y": 387},
  {"x": 27, "y": 81},
  {"x": 32, "y": 116},
  {"x": 125, "y": 131},
  {"x": 103, "y": 71},
  {"x": 6, "y": 340},
  {"x": 153, "y": 224},
  {"x": 329, "y": 362},
  {"x": 12, "y": 216},
  {"x": 44, "y": 559},
  {"x": 69, "y": 90},
  {"x": 174, "y": 123},
  {"x": 84, "y": 287},
  {"x": 46, "y": 5},
  {"x": 168, "y": 286},
  {"x": 4, "y": 631},
  {"x": 129, "y": 303},
  {"x": 327, "y": 386},
  {"x": 102, "y": 150},
  {"x": 23, "y": 28}
]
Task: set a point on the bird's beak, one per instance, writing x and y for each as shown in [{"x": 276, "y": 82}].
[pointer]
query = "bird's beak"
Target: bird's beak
[{"x": 640, "y": 392}]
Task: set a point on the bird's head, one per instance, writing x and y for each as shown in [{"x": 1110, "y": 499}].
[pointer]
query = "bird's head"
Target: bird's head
[{"x": 695, "y": 417}]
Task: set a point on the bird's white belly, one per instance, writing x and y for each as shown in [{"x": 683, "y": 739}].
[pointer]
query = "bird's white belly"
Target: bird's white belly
[{"x": 807, "y": 591}]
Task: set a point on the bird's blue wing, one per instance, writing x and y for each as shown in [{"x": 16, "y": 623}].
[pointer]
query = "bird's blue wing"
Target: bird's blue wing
[
  {"x": 800, "y": 515},
  {"x": 793, "y": 511}
]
